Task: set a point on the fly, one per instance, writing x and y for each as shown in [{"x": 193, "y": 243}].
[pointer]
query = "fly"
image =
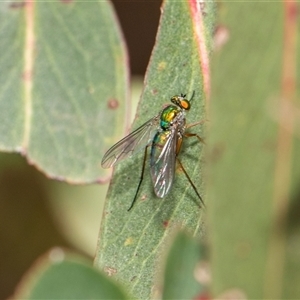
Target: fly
[{"x": 164, "y": 134}]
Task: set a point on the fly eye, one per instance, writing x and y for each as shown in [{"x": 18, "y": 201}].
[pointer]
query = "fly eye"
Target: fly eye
[{"x": 185, "y": 104}]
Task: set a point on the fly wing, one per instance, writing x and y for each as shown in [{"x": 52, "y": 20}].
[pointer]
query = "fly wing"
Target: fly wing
[
  {"x": 163, "y": 159},
  {"x": 131, "y": 143}
]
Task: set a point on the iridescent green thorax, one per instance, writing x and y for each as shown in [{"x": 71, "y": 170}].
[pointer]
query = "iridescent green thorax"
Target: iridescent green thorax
[{"x": 168, "y": 115}]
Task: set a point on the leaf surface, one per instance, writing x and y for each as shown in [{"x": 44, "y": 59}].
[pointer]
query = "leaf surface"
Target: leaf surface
[
  {"x": 63, "y": 82},
  {"x": 254, "y": 157},
  {"x": 58, "y": 276},
  {"x": 183, "y": 262},
  {"x": 132, "y": 242}
]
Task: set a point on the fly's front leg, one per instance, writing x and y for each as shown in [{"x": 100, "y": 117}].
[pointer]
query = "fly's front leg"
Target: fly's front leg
[{"x": 195, "y": 124}]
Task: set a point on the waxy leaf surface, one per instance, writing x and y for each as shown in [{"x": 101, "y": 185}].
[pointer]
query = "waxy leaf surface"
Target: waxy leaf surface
[
  {"x": 63, "y": 85},
  {"x": 254, "y": 151},
  {"x": 132, "y": 242}
]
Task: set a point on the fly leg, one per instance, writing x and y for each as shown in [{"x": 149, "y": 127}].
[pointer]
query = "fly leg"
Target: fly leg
[
  {"x": 195, "y": 124},
  {"x": 188, "y": 134},
  {"x": 190, "y": 181},
  {"x": 141, "y": 180}
]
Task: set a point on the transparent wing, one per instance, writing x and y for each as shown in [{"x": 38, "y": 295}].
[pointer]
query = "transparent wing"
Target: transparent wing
[
  {"x": 131, "y": 143},
  {"x": 163, "y": 159}
]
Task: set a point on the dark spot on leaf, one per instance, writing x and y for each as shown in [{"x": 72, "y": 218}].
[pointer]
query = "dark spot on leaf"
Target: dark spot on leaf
[
  {"x": 27, "y": 76},
  {"x": 133, "y": 278},
  {"x": 217, "y": 152},
  {"x": 113, "y": 103},
  {"x": 66, "y": 1},
  {"x": 166, "y": 224},
  {"x": 154, "y": 92},
  {"x": 269, "y": 145},
  {"x": 202, "y": 296},
  {"x": 17, "y": 5},
  {"x": 203, "y": 8},
  {"x": 292, "y": 11},
  {"x": 243, "y": 249}
]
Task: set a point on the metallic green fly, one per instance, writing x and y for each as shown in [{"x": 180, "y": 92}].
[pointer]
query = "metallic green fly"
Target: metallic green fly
[{"x": 164, "y": 133}]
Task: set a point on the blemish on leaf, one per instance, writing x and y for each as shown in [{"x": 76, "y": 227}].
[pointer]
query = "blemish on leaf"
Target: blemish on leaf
[
  {"x": 217, "y": 152},
  {"x": 202, "y": 296},
  {"x": 233, "y": 294},
  {"x": 154, "y": 92},
  {"x": 243, "y": 249},
  {"x": 128, "y": 241},
  {"x": 56, "y": 255},
  {"x": 221, "y": 37},
  {"x": 66, "y": 1},
  {"x": 144, "y": 197},
  {"x": 104, "y": 180},
  {"x": 91, "y": 90},
  {"x": 293, "y": 11},
  {"x": 161, "y": 66},
  {"x": 269, "y": 145},
  {"x": 202, "y": 273},
  {"x": 17, "y": 5},
  {"x": 203, "y": 8},
  {"x": 166, "y": 224},
  {"x": 110, "y": 271},
  {"x": 113, "y": 103},
  {"x": 27, "y": 76}
]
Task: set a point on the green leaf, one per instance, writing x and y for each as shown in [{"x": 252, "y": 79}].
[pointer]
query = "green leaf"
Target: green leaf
[
  {"x": 58, "y": 276},
  {"x": 12, "y": 33},
  {"x": 63, "y": 85},
  {"x": 182, "y": 260},
  {"x": 131, "y": 242},
  {"x": 254, "y": 158}
]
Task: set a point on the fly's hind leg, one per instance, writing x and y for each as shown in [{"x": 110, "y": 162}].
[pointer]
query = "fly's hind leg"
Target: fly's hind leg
[
  {"x": 190, "y": 181},
  {"x": 141, "y": 180},
  {"x": 189, "y": 134}
]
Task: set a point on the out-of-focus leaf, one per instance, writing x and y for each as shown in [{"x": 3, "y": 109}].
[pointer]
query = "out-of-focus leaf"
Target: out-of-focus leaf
[
  {"x": 63, "y": 85},
  {"x": 66, "y": 277},
  {"x": 76, "y": 211},
  {"x": 181, "y": 266},
  {"x": 249, "y": 197},
  {"x": 131, "y": 242}
]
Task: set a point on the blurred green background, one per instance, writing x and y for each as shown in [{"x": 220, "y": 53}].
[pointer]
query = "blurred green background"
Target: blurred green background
[{"x": 37, "y": 213}]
